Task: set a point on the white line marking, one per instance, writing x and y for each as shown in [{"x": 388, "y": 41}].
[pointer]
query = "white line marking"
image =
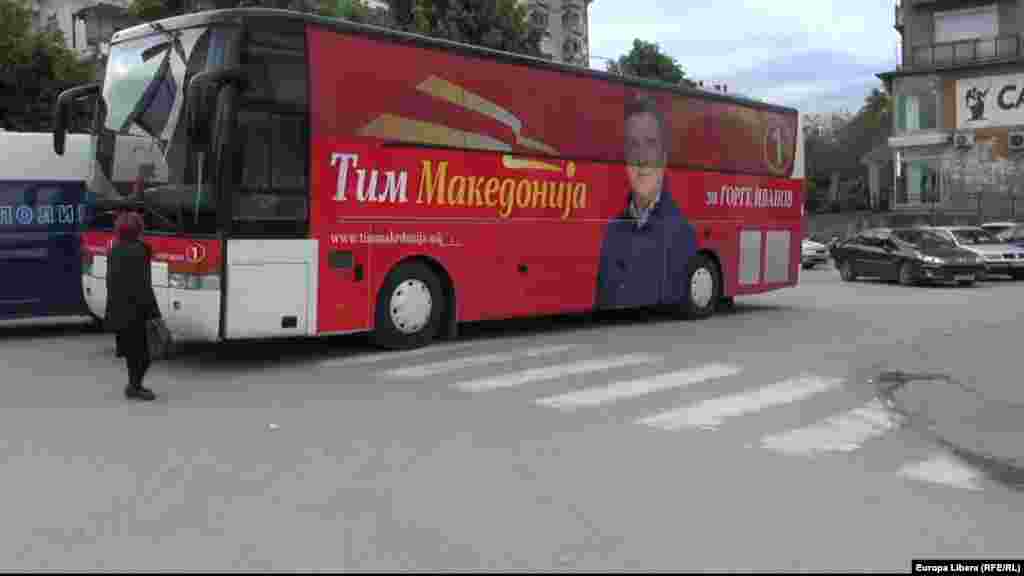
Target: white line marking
[
  {"x": 382, "y": 356},
  {"x": 943, "y": 469},
  {"x": 424, "y": 370},
  {"x": 708, "y": 415},
  {"x": 843, "y": 432},
  {"x": 632, "y": 388},
  {"x": 552, "y": 372}
]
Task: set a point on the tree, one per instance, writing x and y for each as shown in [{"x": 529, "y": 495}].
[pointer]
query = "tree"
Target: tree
[
  {"x": 149, "y": 10},
  {"x": 646, "y": 60},
  {"x": 497, "y": 24},
  {"x": 34, "y": 68},
  {"x": 836, "y": 142}
]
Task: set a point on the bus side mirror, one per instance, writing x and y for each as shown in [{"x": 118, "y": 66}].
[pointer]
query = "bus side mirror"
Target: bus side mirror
[
  {"x": 199, "y": 113},
  {"x": 202, "y": 91},
  {"x": 62, "y": 112}
]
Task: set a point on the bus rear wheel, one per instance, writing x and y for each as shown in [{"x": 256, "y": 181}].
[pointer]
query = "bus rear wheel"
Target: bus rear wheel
[
  {"x": 410, "y": 307},
  {"x": 703, "y": 288}
]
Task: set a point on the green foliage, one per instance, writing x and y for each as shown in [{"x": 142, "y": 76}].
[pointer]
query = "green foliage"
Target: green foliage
[
  {"x": 497, "y": 24},
  {"x": 34, "y": 68},
  {"x": 646, "y": 60},
  {"x": 354, "y": 10},
  {"x": 837, "y": 143}
]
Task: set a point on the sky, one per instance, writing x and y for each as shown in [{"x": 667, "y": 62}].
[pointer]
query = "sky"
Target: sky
[{"x": 817, "y": 55}]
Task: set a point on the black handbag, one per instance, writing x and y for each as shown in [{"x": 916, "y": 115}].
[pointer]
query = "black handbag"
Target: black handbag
[{"x": 158, "y": 338}]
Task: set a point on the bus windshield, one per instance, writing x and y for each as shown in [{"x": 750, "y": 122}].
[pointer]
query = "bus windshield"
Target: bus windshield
[{"x": 142, "y": 153}]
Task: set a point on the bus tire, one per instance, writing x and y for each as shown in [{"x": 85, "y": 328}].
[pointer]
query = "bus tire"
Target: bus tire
[
  {"x": 410, "y": 308},
  {"x": 703, "y": 288}
]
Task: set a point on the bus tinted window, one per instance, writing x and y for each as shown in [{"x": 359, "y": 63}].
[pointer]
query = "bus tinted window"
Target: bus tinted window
[
  {"x": 275, "y": 63},
  {"x": 272, "y": 195}
]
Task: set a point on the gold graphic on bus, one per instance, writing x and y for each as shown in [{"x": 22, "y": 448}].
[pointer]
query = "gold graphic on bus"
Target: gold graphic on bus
[{"x": 406, "y": 129}]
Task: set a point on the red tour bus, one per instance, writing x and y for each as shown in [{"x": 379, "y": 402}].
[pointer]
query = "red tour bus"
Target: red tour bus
[{"x": 305, "y": 176}]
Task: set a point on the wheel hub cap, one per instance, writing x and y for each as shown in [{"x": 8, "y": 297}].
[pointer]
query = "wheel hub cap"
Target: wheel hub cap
[
  {"x": 702, "y": 287},
  {"x": 410, "y": 306}
]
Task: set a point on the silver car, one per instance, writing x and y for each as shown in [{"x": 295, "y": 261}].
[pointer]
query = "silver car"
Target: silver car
[
  {"x": 997, "y": 228},
  {"x": 812, "y": 253},
  {"x": 1000, "y": 257}
]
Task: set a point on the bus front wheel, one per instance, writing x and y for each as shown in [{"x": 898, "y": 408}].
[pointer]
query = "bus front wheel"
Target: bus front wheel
[
  {"x": 703, "y": 288},
  {"x": 410, "y": 307}
]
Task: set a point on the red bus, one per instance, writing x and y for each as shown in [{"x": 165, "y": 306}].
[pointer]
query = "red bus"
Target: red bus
[{"x": 306, "y": 176}]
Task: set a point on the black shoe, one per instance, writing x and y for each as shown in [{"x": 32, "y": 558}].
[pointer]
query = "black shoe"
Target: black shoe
[{"x": 139, "y": 393}]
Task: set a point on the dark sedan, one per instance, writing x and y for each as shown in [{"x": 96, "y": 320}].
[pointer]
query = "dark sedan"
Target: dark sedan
[{"x": 906, "y": 255}]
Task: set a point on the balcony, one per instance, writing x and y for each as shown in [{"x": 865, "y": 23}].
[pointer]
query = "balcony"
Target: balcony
[{"x": 974, "y": 51}]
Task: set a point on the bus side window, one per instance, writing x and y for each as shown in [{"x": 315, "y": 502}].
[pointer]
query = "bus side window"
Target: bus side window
[{"x": 272, "y": 196}]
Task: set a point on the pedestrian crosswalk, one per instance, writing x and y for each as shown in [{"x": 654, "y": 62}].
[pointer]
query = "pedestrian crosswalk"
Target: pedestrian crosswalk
[
  {"x": 709, "y": 414},
  {"x": 700, "y": 398}
]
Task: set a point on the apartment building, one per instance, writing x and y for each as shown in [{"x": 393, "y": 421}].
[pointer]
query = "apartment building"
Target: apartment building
[
  {"x": 958, "y": 132},
  {"x": 566, "y": 25}
]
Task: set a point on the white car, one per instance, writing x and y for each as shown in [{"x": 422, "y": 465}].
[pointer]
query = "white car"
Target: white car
[
  {"x": 999, "y": 256},
  {"x": 812, "y": 254}
]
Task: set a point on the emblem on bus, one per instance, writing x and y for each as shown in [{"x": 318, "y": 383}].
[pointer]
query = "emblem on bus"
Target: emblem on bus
[{"x": 195, "y": 253}]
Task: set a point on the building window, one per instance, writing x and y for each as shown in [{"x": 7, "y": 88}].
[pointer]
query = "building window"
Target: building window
[
  {"x": 956, "y": 25},
  {"x": 571, "y": 49},
  {"x": 920, "y": 183},
  {"x": 547, "y": 45},
  {"x": 916, "y": 112},
  {"x": 918, "y": 105},
  {"x": 571, "y": 21},
  {"x": 539, "y": 19}
]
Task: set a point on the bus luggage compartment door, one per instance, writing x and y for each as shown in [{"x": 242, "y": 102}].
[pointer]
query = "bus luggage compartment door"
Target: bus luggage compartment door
[{"x": 270, "y": 288}]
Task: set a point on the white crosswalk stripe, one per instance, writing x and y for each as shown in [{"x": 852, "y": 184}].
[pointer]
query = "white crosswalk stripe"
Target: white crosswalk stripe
[
  {"x": 443, "y": 367},
  {"x": 399, "y": 355},
  {"x": 708, "y": 415},
  {"x": 943, "y": 469},
  {"x": 843, "y": 432},
  {"x": 634, "y": 388},
  {"x": 552, "y": 372}
]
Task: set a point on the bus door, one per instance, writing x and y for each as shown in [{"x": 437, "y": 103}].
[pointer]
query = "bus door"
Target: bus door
[{"x": 271, "y": 262}]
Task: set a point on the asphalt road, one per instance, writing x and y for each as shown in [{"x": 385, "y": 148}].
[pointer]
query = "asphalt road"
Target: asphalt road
[{"x": 753, "y": 440}]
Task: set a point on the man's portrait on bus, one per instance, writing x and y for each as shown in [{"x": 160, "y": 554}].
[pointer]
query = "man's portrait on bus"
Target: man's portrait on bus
[{"x": 646, "y": 248}]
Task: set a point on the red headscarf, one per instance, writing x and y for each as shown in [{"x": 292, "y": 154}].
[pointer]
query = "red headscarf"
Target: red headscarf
[{"x": 128, "y": 227}]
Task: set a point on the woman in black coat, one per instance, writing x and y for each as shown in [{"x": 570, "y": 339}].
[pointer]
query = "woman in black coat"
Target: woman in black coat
[{"x": 131, "y": 302}]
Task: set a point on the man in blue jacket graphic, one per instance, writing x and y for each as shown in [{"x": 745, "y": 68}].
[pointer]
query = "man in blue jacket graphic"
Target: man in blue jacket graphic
[{"x": 647, "y": 248}]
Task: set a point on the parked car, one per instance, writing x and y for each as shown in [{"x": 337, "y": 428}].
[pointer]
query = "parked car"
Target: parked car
[
  {"x": 1000, "y": 257},
  {"x": 906, "y": 255},
  {"x": 996, "y": 228},
  {"x": 1013, "y": 235},
  {"x": 813, "y": 253}
]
